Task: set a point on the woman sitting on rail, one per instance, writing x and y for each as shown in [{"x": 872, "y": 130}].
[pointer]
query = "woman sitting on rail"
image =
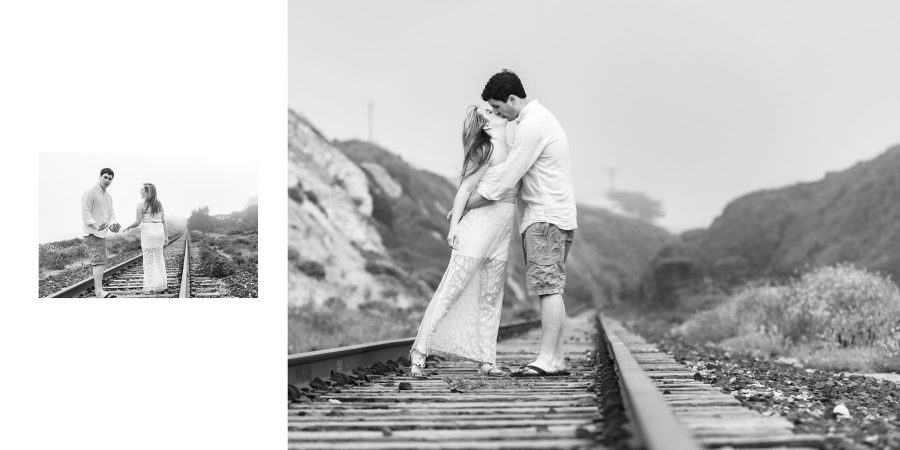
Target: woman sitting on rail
[
  {"x": 152, "y": 219},
  {"x": 463, "y": 317}
]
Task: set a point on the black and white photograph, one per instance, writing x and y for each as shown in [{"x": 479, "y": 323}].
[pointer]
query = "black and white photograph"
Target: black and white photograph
[
  {"x": 147, "y": 225},
  {"x": 654, "y": 225}
]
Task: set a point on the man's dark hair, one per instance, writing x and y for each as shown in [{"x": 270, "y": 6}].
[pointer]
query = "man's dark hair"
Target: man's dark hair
[
  {"x": 502, "y": 85},
  {"x": 107, "y": 170}
]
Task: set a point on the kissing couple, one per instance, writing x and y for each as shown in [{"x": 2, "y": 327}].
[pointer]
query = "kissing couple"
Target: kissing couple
[{"x": 532, "y": 164}]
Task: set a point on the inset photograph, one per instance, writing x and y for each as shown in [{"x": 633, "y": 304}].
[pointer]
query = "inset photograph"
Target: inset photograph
[{"x": 151, "y": 225}]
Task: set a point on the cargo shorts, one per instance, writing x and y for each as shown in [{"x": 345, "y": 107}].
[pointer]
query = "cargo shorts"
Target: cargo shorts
[
  {"x": 97, "y": 250},
  {"x": 546, "y": 249}
]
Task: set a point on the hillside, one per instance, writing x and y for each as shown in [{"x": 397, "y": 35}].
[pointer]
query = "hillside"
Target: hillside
[
  {"x": 848, "y": 216},
  {"x": 334, "y": 247}
]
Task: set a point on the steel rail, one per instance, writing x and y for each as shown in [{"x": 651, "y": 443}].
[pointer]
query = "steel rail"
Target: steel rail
[
  {"x": 657, "y": 426},
  {"x": 185, "y": 290},
  {"x": 87, "y": 283},
  {"x": 303, "y": 367}
]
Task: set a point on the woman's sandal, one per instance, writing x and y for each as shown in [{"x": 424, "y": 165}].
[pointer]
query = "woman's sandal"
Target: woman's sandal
[
  {"x": 417, "y": 364},
  {"x": 491, "y": 370}
]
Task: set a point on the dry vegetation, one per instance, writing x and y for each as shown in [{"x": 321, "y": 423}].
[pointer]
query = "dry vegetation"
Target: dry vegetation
[
  {"x": 60, "y": 255},
  {"x": 227, "y": 248},
  {"x": 333, "y": 324},
  {"x": 835, "y": 317}
]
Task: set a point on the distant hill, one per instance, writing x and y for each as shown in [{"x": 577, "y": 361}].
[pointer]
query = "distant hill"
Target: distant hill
[
  {"x": 848, "y": 216},
  {"x": 383, "y": 222}
]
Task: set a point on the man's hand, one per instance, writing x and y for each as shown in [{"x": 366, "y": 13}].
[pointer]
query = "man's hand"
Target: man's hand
[
  {"x": 115, "y": 227},
  {"x": 101, "y": 227}
]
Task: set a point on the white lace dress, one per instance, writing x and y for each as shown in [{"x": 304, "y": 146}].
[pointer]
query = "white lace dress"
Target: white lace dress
[
  {"x": 464, "y": 314},
  {"x": 153, "y": 238}
]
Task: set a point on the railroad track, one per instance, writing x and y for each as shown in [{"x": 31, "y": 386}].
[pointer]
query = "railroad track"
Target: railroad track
[
  {"x": 198, "y": 285},
  {"x": 621, "y": 393},
  {"x": 126, "y": 278}
]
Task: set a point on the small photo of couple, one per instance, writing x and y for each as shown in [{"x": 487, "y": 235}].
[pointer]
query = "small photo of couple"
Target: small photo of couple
[{"x": 116, "y": 225}]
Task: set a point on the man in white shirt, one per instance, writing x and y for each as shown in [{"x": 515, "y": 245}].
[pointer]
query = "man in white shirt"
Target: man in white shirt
[
  {"x": 539, "y": 157},
  {"x": 98, "y": 215}
]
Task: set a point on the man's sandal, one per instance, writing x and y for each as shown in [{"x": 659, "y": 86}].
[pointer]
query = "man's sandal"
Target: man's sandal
[{"x": 538, "y": 372}]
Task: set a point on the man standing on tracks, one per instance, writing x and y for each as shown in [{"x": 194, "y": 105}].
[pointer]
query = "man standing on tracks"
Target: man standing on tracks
[
  {"x": 98, "y": 217},
  {"x": 539, "y": 158}
]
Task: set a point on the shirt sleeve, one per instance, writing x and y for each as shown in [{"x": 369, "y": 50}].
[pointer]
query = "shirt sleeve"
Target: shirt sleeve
[
  {"x": 112, "y": 212},
  {"x": 524, "y": 152},
  {"x": 87, "y": 201}
]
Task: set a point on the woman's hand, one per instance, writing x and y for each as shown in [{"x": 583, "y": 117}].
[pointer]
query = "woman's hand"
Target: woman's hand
[{"x": 453, "y": 237}]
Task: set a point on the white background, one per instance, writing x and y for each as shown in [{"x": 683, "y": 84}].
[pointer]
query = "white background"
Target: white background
[{"x": 191, "y": 77}]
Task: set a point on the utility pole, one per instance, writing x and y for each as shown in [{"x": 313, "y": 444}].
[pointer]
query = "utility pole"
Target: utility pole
[
  {"x": 612, "y": 178},
  {"x": 371, "y": 114}
]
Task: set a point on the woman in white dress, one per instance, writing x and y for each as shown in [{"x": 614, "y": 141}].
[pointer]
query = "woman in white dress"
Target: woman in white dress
[
  {"x": 463, "y": 316},
  {"x": 151, "y": 217}
]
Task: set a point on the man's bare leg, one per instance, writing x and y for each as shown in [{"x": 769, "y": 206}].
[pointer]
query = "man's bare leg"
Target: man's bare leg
[
  {"x": 98, "y": 280},
  {"x": 553, "y": 318}
]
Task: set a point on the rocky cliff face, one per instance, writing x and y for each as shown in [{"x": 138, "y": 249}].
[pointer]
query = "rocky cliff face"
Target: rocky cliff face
[{"x": 334, "y": 247}]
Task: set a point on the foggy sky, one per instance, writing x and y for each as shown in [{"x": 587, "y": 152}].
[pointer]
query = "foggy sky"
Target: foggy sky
[
  {"x": 223, "y": 184},
  {"x": 695, "y": 103}
]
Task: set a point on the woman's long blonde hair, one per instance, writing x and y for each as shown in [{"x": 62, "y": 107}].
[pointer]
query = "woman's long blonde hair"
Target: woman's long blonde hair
[
  {"x": 477, "y": 146},
  {"x": 150, "y": 201}
]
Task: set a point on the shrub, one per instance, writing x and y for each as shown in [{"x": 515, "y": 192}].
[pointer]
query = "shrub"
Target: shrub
[
  {"x": 50, "y": 258},
  {"x": 330, "y": 325},
  {"x": 748, "y": 311},
  {"x": 312, "y": 269},
  {"x": 117, "y": 246},
  {"x": 201, "y": 220},
  {"x": 334, "y": 304},
  {"x": 313, "y": 198},
  {"x": 845, "y": 305},
  {"x": 831, "y": 308},
  {"x": 212, "y": 264}
]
